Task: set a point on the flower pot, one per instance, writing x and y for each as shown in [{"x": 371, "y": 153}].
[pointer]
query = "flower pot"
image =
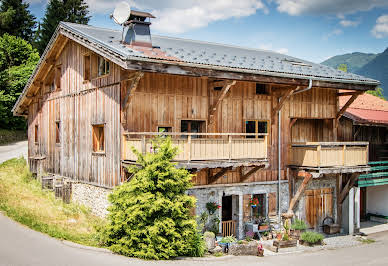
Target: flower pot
[
  {"x": 278, "y": 236},
  {"x": 263, "y": 227},
  {"x": 253, "y": 206}
]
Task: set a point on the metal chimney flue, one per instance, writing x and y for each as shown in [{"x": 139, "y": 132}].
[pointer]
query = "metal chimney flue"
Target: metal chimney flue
[{"x": 136, "y": 31}]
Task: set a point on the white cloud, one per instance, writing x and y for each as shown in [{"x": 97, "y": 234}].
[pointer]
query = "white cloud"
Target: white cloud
[
  {"x": 334, "y": 32},
  {"x": 349, "y": 23},
  {"x": 177, "y": 16},
  {"x": 319, "y": 7},
  {"x": 269, "y": 46},
  {"x": 380, "y": 30}
]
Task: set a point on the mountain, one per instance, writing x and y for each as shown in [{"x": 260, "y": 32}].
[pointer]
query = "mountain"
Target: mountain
[
  {"x": 354, "y": 61},
  {"x": 377, "y": 69}
]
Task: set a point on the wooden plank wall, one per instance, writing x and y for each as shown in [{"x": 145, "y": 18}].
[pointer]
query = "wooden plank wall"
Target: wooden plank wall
[
  {"x": 165, "y": 100},
  {"x": 78, "y": 106}
]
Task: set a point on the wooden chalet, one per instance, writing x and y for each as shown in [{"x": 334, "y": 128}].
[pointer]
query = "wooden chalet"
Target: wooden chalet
[
  {"x": 366, "y": 119},
  {"x": 249, "y": 123}
]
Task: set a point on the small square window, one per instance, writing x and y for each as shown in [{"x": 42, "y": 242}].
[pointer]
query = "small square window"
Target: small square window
[
  {"x": 261, "y": 89},
  {"x": 98, "y": 138},
  {"x": 57, "y": 132},
  {"x": 164, "y": 129},
  {"x": 103, "y": 66}
]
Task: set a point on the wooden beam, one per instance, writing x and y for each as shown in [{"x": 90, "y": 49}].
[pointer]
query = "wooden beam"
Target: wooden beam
[
  {"x": 283, "y": 99},
  {"x": 225, "y": 89},
  {"x": 307, "y": 177},
  {"x": 132, "y": 88},
  {"x": 292, "y": 122},
  {"x": 213, "y": 72},
  {"x": 347, "y": 104},
  {"x": 352, "y": 180},
  {"x": 348, "y": 93},
  {"x": 214, "y": 178},
  {"x": 66, "y": 40},
  {"x": 250, "y": 172}
]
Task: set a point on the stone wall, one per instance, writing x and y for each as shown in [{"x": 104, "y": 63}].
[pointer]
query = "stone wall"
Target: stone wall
[
  {"x": 93, "y": 197},
  {"x": 214, "y": 193}
]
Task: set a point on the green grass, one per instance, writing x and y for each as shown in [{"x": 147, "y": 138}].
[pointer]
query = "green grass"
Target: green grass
[
  {"x": 22, "y": 199},
  {"x": 9, "y": 136},
  {"x": 366, "y": 240}
]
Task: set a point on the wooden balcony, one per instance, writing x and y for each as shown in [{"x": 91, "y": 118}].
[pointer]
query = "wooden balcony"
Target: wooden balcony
[
  {"x": 329, "y": 154},
  {"x": 201, "y": 146}
]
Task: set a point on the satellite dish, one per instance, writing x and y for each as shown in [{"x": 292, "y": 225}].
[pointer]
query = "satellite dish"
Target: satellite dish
[{"x": 121, "y": 13}]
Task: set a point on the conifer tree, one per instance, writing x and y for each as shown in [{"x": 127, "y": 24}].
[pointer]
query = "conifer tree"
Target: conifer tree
[
  {"x": 75, "y": 11},
  {"x": 16, "y": 19},
  {"x": 149, "y": 215}
]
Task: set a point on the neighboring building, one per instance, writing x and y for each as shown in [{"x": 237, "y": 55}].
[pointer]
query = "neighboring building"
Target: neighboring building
[
  {"x": 93, "y": 96},
  {"x": 366, "y": 119}
]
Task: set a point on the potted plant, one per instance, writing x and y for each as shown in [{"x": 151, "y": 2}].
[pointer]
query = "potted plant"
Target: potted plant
[
  {"x": 260, "y": 250},
  {"x": 254, "y": 202},
  {"x": 311, "y": 238},
  {"x": 226, "y": 242},
  {"x": 212, "y": 207},
  {"x": 298, "y": 227}
]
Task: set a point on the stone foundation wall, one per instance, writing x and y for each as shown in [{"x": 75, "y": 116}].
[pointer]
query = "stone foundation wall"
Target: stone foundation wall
[{"x": 96, "y": 198}]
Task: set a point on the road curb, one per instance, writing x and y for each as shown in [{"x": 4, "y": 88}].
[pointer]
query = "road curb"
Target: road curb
[{"x": 75, "y": 245}]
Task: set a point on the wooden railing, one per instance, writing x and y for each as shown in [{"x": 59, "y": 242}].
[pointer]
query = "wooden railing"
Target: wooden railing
[
  {"x": 329, "y": 154},
  {"x": 201, "y": 146},
  {"x": 228, "y": 228}
]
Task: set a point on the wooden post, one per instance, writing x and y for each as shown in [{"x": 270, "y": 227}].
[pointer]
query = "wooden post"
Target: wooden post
[
  {"x": 339, "y": 205},
  {"x": 230, "y": 147},
  {"x": 189, "y": 148},
  {"x": 343, "y": 155},
  {"x": 319, "y": 147},
  {"x": 143, "y": 144},
  {"x": 307, "y": 177}
]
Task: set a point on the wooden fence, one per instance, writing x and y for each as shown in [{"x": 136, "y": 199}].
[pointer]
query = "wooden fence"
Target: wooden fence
[{"x": 228, "y": 228}]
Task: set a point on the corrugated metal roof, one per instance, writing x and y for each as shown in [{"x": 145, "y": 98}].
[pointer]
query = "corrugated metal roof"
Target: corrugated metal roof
[{"x": 215, "y": 55}]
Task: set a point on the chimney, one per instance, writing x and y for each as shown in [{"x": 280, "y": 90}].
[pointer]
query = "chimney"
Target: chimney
[{"x": 137, "y": 29}]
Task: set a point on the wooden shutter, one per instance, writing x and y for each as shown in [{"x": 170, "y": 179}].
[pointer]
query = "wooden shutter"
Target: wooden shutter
[
  {"x": 319, "y": 204},
  {"x": 272, "y": 203}
]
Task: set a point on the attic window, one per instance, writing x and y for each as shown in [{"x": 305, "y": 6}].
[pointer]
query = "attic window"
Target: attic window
[
  {"x": 261, "y": 89},
  {"x": 296, "y": 63},
  {"x": 103, "y": 66}
]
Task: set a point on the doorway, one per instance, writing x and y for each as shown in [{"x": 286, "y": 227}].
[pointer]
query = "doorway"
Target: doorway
[{"x": 229, "y": 207}]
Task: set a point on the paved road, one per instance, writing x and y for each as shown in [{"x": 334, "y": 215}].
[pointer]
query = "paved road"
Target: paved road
[
  {"x": 22, "y": 246},
  {"x": 13, "y": 150}
]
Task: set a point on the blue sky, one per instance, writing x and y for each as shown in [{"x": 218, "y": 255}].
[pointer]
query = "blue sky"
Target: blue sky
[{"x": 309, "y": 29}]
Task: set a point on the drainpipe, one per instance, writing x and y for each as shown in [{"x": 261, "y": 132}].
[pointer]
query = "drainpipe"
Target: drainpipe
[{"x": 279, "y": 145}]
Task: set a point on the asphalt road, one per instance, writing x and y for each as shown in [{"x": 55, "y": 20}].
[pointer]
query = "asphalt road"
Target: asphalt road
[
  {"x": 13, "y": 150},
  {"x": 22, "y": 246}
]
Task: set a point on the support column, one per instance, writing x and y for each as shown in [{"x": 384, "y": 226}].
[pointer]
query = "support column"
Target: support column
[
  {"x": 351, "y": 211},
  {"x": 220, "y": 211},
  {"x": 240, "y": 216},
  {"x": 357, "y": 203}
]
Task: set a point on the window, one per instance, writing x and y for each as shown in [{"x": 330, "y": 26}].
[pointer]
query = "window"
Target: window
[
  {"x": 103, "y": 66},
  {"x": 256, "y": 126},
  {"x": 260, "y": 209},
  {"x": 218, "y": 88},
  {"x": 98, "y": 138},
  {"x": 57, "y": 132},
  {"x": 193, "y": 126},
  {"x": 261, "y": 89},
  {"x": 86, "y": 67},
  {"x": 36, "y": 136},
  {"x": 58, "y": 73}
]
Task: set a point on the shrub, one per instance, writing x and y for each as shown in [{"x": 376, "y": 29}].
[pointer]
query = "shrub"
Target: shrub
[
  {"x": 285, "y": 237},
  {"x": 228, "y": 239},
  {"x": 311, "y": 237},
  {"x": 299, "y": 225},
  {"x": 149, "y": 216},
  {"x": 208, "y": 234}
]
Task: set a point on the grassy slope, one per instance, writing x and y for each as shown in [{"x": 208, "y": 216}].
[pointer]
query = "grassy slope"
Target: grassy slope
[
  {"x": 22, "y": 199},
  {"x": 354, "y": 61}
]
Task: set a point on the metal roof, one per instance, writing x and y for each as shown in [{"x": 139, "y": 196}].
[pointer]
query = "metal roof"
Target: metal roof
[{"x": 212, "y": 55}]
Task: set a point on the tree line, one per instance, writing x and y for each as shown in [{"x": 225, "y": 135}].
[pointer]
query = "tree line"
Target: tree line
[{"x": 23, "y": 40}]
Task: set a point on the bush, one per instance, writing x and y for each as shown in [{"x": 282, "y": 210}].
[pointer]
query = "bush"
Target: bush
[
  {"x": 299, "y": 225},
  {"x": 150, "y": 215},
  {"x": 228, "y": 239},
  {"x": 311, "y": 237},
  {"x": 208, "y": 234}
]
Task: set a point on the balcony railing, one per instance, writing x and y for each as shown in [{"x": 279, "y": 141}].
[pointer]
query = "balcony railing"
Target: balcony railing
[
  {"x": 329, "y": 154},
  {"x": 201, "y": 146}
]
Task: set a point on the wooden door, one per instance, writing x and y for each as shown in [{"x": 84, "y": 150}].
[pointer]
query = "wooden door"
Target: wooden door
[{"x": 319, "y": 204}]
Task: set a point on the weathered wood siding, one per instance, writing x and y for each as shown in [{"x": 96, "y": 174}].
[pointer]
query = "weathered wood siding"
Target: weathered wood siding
[
  {"x": 165, "y": 100},
  {"x": 77, "y": 106}
]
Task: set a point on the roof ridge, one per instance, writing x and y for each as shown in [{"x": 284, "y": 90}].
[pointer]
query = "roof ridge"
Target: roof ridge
[{"x": 88, "y": 26}]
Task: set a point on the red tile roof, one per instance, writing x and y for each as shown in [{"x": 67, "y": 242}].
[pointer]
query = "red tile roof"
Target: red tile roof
[{"x": 366, "y": 109}]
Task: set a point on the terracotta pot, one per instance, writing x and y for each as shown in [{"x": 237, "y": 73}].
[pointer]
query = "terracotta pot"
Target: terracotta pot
[
  {"x": 279, "y": 236},
  {"x": 263, "y": 227}
]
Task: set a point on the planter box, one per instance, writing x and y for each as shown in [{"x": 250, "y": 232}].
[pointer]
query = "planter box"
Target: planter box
[
  {"x": 285, "y": 243},
  {"x": 263, "y": 227},
  {"x": 248, "y": 249},
  {"x": 301, "y": 242},
  {"x": 296, "y": 233}
]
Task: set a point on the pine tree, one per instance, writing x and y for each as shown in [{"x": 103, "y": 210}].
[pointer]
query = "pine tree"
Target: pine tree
[
  {"x": 149, "y": 216},
  {"x": 16, "y": 19},
  {"x": 75, "y": 11}
]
